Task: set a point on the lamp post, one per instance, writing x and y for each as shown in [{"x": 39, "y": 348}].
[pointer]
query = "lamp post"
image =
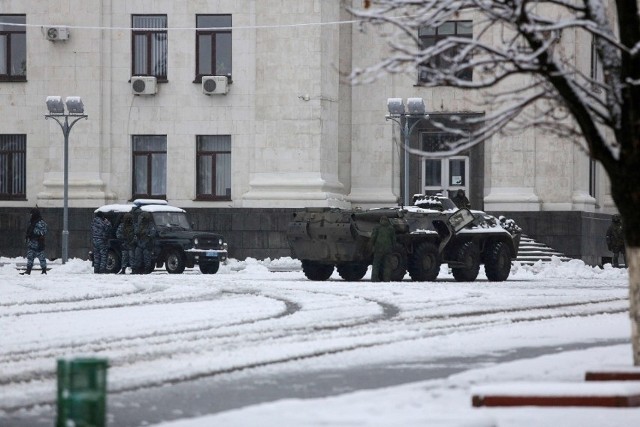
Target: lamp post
[
  {"x": 401, "y": 115},
  {"x": 75, "y": 110}
]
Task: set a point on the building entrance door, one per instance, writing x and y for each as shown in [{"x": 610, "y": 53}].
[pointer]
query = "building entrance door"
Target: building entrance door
[{"x": 445, "y": 176}]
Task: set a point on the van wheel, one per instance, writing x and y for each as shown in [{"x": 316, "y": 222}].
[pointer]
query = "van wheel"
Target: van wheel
[
  {"x": 174, "y": 262},
  {"x": 209, "y": 267},
  {"x": 113, "y": 262}
]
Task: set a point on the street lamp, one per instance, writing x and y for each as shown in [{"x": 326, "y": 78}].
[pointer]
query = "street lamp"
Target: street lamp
[
  {"x": 401, "y": 115},
  {"x": 75, "y": 110}
]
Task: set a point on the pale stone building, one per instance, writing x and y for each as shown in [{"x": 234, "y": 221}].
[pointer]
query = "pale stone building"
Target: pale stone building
[{"x": 279, "y": 128}]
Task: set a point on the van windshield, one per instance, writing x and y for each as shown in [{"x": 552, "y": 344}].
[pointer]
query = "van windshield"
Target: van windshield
[{"x": 171, "y": 219}]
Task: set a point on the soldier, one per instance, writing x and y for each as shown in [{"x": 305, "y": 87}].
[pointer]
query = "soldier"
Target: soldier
[
  {"x": 145, "y": 234},
  {"x": 383, "y": 239},
  {"x": 100, "y": 229},
  {"x": 460, "y": 200},
  {"x": 615, "y": 240},
  {"x": 35, "y": 239},
  {"x": 126, "y": 234}
]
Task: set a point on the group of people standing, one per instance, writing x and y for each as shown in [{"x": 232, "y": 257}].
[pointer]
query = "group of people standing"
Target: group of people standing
[{"x": 136, "y": 242}]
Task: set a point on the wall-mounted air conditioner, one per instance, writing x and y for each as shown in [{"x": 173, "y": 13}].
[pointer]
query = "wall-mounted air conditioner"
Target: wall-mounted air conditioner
[
  {"x": 144, "y": 85},
  {"x": 215, "y": 85},
  {"x": 56, "y": 33}
]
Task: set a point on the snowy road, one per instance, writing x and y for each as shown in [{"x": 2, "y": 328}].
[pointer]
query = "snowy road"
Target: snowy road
[{"x": 166, "y": 329}]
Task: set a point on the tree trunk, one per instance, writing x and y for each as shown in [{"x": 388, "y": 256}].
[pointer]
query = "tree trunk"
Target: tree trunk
[
  {"x": 633, "y": 264},
  {"x": 625, "y": 190}
]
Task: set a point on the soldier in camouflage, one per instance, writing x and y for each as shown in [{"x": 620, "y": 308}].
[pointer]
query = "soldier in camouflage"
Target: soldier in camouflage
[
  {"x": 383, "y": 239},
  {"x": 35, "y": 239},
  {"x": 615, "y": 240},
  {"x": 145, "y": 234},
  {"x": 460, "y": 200},
  {"x": 127, "y": 236},
  {"x": 100, "y": 230}
]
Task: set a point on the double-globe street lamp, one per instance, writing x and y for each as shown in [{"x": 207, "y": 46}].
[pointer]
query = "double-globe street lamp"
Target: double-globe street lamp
[
  {"x": 75, "y": 111},
  {"x": 415, "y": 109}
]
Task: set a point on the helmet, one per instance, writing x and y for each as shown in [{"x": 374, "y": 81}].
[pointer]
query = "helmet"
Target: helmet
[{"x": 35, "y": 214}]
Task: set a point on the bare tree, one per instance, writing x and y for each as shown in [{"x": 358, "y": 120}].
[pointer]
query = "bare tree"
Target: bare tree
[{"x": 521, "y": 41}]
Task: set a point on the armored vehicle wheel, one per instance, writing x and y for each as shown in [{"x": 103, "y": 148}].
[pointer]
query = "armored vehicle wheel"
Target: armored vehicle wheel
[
  {"x": 316, "y": 271},
  {"x": 424, "y": 265},
  {"x": 352, "y": 272},
  {"x": 398, "y": 262},
  {"x": 497, "y": 263},
  {"x": 174, "y": 262},
  {"x": 209, "y": 267},
  {"x": 468, "y": 254},
  {"x": 113, "y": 262}
]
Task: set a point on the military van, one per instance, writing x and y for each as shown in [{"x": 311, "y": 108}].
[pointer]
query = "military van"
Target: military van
[{"x": 176, "y": 246}]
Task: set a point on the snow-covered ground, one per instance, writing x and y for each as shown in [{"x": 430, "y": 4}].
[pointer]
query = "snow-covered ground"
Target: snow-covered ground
[{"x": 263, "y": 318}]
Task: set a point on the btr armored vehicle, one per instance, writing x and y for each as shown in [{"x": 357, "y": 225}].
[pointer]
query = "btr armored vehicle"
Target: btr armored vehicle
[
  {"x": 428, "y": 234},
  {"x": 176, "y": 244}
]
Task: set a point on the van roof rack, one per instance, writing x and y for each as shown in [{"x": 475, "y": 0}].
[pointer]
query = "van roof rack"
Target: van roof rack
[{"x": 144, "y": 202}]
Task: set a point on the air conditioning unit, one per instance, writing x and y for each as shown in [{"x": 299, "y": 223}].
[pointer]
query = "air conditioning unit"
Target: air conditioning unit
[
  {"x": 144, "y": 85},
  {"x": 215, "y": 85},
  {"x": 57, "y": 33}
]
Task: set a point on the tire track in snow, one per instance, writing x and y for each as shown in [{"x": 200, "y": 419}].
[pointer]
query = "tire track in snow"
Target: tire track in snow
[{"x": 452, "y": 323}]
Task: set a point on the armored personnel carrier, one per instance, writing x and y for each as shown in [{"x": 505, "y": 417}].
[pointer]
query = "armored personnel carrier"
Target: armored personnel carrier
[{"x": 428, "y": 234}]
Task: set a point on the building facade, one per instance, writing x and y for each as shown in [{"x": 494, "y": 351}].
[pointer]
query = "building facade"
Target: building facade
[{"x": 239, "y": 112}]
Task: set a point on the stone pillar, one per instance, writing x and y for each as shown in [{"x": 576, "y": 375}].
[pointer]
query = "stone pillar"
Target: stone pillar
[
  {"x": 511, "y": 174},
  {"x": 295, "y": 161},
  {"x": 75, "y": 67}
]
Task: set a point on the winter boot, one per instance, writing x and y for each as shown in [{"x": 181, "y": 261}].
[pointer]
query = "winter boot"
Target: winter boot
[
  {"x": 27, "y": 271},
  {"x": 124, "y": 270},
  {"x": 44, "y": 270}
]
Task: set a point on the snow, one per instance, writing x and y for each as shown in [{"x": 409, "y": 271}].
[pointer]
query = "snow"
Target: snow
[
  {"x": 590, "y": 388},
  {"x": 264, "y": 318}
]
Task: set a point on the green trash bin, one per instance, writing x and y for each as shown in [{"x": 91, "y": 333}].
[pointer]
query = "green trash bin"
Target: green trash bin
[{"x": 82, "y": 392}]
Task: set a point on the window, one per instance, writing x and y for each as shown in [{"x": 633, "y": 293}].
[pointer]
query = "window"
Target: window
[
  {"x": 149, "y": 48},
  {"x": 430, "y": 36},
  {"x": 13, "y": 48},
  {"x": 596, "y": 76},
  {"x": 213, "y": 46},
  {"x": 213, "y": 167},
  {"x": 593, "y": 178},
  {"x": 596, "y": 67},
  {"x": 443, "y": 175},
  {"x": 150, "y": 166},
  {"x": 13, "y": 167}
]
